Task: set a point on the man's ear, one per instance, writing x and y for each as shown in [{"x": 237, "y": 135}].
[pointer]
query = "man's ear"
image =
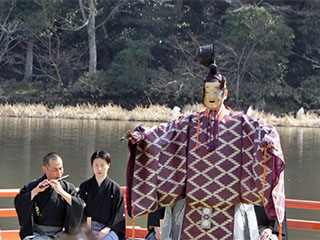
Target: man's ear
[{"x": 44, "y": 169}]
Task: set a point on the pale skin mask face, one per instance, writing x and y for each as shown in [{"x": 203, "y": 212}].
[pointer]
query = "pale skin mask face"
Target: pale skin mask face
[{"x": 214, "y": 96}]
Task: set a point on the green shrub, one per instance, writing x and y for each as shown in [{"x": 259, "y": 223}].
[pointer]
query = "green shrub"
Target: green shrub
[{"x": 89, "y": 87}]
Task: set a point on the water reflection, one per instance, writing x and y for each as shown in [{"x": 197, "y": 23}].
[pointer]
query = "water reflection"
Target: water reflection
[
  {"x": 300, "y": 143},
  {"x": 300, "y": 147},
  {"x": 25, "y": 141}
]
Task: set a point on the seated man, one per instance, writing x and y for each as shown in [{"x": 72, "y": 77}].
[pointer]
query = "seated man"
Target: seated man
[{"x": 48, "y": 207}]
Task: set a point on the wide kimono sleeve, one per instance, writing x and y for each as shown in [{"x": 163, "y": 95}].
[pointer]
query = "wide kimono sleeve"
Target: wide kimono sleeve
[
  {"x": 83, "y": 196},
  {"x": 74, "y": 213},
  {"x": 118, "y": 222},
  {"x": 154, "y": 218},
  {"x": 24, "y": 207},
  {"x": 267, "y": 166},
  {"x": 156, "y": 170}
]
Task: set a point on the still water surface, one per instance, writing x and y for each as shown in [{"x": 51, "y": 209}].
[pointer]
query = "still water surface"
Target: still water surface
[{"x": 24, "y": 142}]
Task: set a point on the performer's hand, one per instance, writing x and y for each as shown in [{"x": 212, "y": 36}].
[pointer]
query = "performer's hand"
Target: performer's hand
[
  {"x": 40, "y": 188},
  {"x": 266, "y": 234},
  {"x": 133, "y": 138},
  {"x": 157, "y": 231},
  {"x": 130, "y": 138},
  {"x": 136, "y": 136},
  {"x": 56, "y": 186},
  {"x": 103, "y": 232},
  {"x": 43, "y": 185}
]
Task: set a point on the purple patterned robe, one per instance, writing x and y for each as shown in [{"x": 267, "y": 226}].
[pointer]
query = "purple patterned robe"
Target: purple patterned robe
[{"x": 226, "y": 168}]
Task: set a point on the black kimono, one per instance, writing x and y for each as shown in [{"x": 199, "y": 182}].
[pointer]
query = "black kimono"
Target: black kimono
[
  {"x": 265, "y": 222},
  {"x": 105, "y": 204},
  {"x": 48, "y": 208},
  {"x": 154, "y": 220}
]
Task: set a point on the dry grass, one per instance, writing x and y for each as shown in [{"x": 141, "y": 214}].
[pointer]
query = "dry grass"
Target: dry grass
[
  {"x": 304, "y": 120},
  {"x": 23, "y": 110},
  {"x": 154, "y": 113}
]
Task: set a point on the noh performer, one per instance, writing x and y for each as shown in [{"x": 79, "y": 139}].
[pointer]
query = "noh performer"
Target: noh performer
[{"x": 206, "y": 166}]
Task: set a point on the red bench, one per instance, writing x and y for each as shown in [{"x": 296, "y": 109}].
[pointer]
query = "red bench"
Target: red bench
[{"x": 140, "y": 232}]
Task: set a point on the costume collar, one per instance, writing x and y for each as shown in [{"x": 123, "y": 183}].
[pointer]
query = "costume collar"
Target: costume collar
[{"x": 217, "y": 115}]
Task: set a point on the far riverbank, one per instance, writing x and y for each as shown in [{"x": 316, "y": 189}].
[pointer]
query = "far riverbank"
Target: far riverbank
[{"x": 153, "y": 113}]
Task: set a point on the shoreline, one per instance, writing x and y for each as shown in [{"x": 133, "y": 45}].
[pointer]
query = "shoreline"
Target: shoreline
[{"x": 153, "y": 113}]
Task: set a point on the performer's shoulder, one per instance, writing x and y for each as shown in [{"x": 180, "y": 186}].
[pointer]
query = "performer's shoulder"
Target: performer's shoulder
[
  {"x": 33, "y": 183},
  {"x": 86, "y": 182},
  {"x": 68, "y": 186},
  {"x": 236, "y": 114},
  {"x": 247, "y": 119},
  {"x": 184, "y": 118},
  {"x": 114, "y": 183},
  {"x": 195, "y": 114},
  {"x": 240, "y": 115}
]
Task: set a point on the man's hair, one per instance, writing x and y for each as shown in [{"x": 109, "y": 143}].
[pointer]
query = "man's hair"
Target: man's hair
[
  {"x": 214, "y": 78},
  {"x": 101, "y": 154},
  {"x": 50, "y": 156}
]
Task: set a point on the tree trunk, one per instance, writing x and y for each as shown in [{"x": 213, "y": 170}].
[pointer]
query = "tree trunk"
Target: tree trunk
[
  {"x": 29, "y": 63},
  {"x": 178, "y": 5},
  {"x": 237, "y": 89},
  {"x": 92, "y": 39}
]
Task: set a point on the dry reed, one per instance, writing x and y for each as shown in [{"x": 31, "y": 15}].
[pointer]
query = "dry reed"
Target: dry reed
[
  {"x": 303, "y": 120},
  {"x": 153, "y": 113}
]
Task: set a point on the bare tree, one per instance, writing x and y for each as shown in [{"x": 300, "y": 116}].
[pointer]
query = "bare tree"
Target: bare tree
[
  {"x": 89, "y": 16},
  {"x": 9, "y": 38},
  {"x": 238, "y": 60},
  {"x": 29, "y": 62},
  {"x": 248, "y": 50},
  {"x": 89, "y": 11}
]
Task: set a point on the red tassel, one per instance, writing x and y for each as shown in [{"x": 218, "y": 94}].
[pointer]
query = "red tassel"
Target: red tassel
[
  {"x": 198, "y": 129},
  {"x": 133, "y": 223},
  {"x": 280, "y": 231}
]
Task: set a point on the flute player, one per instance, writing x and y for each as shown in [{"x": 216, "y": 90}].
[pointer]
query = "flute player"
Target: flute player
[{"x": 46, "y": 207}]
